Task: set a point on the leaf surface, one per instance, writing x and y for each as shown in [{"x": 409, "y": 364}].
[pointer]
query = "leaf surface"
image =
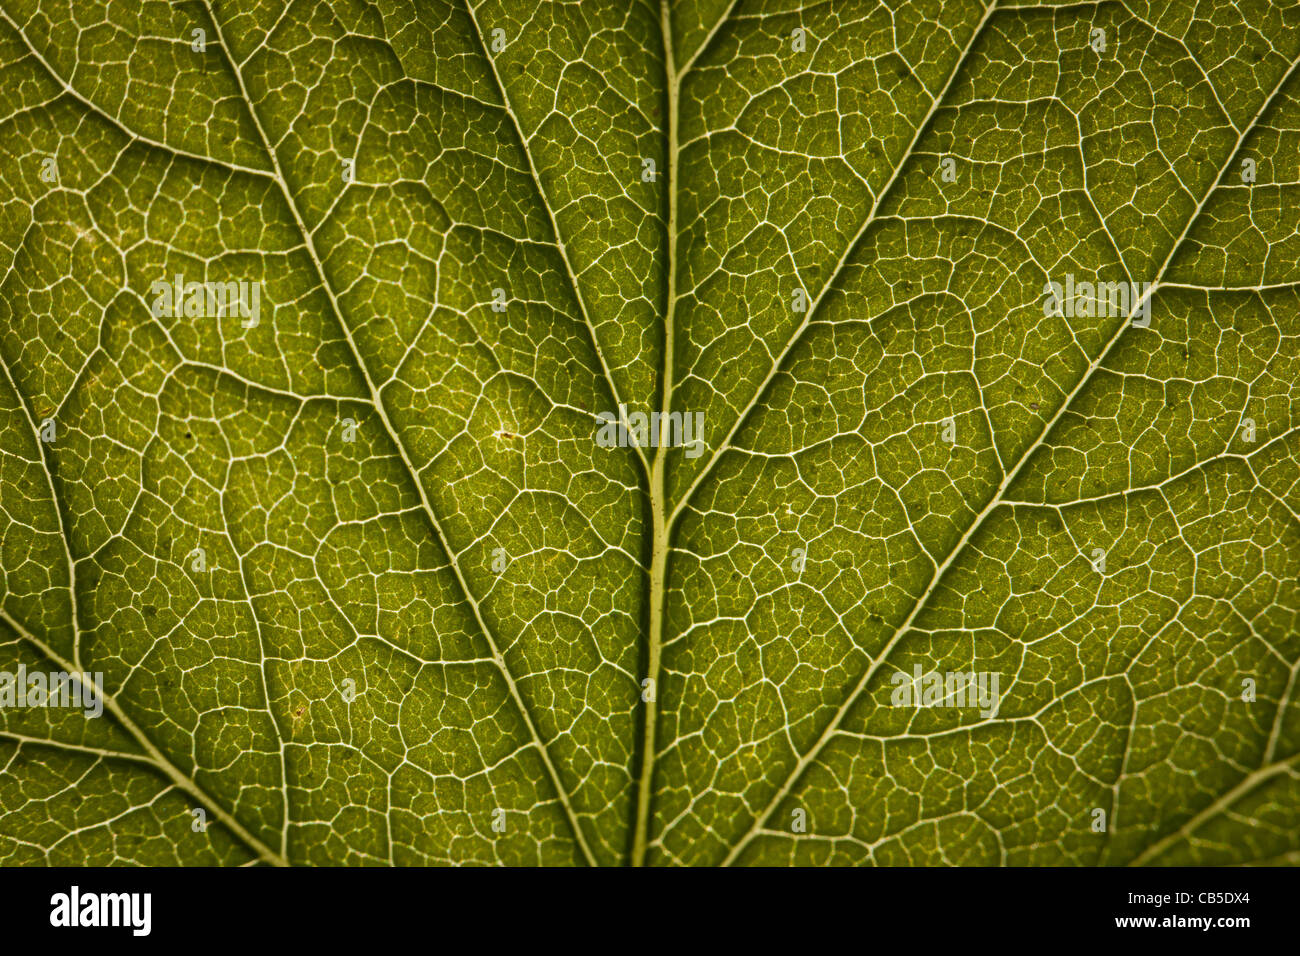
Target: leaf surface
[{"x": 362, "y": 583}]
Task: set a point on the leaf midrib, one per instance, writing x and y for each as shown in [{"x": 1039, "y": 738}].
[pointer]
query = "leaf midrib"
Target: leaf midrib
[{"x": 662, "y": 545}]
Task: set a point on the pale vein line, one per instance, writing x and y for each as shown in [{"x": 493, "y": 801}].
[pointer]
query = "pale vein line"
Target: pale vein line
[
  {"x": 830, "y": 731},
  {"x": 48, "y": 472},
  {"x": 84, "y": 749},
  {"x": 1194, "y": 467},
  {"x": 561, "y": 794},
  {"x": 247, "y": 581},
  {"x": 704, "y": 44},
  {"x": 1234, "y": 288},
  {"x": 1283, "y": 705}
]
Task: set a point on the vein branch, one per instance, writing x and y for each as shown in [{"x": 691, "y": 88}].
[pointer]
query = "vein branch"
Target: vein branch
[
  {"x": 1245, "y": 787},
  {"x": 156, "y": 757},
  {"x": 117, "y": 122},
  {"x": 550, "y": 216},
  {"x": 815, "y": 305},
  {"x": 677, "y": 76}
]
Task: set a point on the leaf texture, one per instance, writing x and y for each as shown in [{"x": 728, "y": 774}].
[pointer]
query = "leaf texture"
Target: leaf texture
[{"x": 362, "y": 583}]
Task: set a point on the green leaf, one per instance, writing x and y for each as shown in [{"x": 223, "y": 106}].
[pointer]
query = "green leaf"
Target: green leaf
[{"x": 362, "y": 582}]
